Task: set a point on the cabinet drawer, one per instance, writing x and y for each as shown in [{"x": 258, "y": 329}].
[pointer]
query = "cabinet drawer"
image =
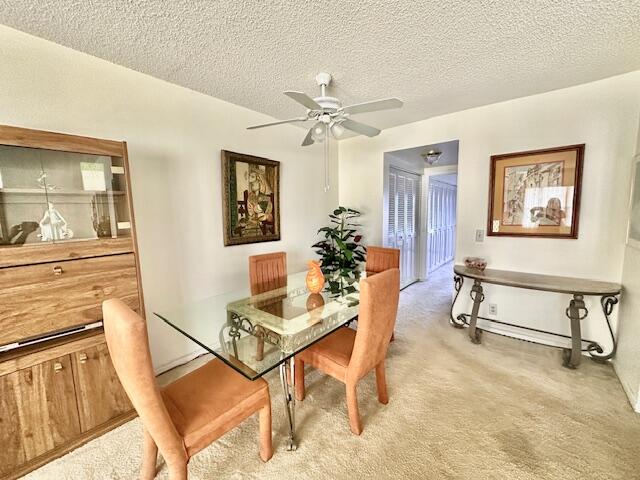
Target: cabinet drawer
[
  {"x": 38, "y": 411},
  {"x": 38, "y": 299},
  {"x": 15, "y": 255}
]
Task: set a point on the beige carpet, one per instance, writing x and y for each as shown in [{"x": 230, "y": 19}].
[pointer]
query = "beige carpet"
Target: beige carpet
[{"x": 501, "y": 410}]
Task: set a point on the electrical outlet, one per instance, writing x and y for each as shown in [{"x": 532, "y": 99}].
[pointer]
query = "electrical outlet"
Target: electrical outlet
[
  {"x": 479, "y": 235},
  {"x": 493, "y": 309}
]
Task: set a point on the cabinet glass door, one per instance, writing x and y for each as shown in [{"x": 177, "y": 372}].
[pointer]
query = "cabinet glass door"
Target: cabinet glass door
[
  {"x": 61, "y": 196},
  {"x": 23, "y": 195}
]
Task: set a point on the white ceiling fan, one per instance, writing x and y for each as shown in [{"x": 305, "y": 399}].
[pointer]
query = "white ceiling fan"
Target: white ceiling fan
[{"x": 330, "y": 115}]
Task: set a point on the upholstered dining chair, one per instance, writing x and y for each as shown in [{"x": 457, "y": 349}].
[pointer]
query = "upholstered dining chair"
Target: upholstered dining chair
[
  {"x": 267, "y": 272},
  {"x": 348, "y": 355},
  {"x": 189, "y": 414},
  {"x": 380, "y": 259}
]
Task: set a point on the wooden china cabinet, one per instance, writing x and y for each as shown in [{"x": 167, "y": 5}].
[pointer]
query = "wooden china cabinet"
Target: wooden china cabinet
[{"x": 67, "y": 243}]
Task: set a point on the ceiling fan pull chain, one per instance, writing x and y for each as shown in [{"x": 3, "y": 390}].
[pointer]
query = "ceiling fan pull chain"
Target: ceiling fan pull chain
[{"x": 326, "y": 160}]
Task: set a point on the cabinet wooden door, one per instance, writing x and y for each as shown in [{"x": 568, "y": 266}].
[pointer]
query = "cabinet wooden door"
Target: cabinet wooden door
[
  {"x": 100, "y": 395},
  {"x": 38, "y": 411}
]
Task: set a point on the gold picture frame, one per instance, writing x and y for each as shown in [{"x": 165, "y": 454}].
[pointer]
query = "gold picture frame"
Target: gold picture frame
[
  {"x": 536, "y": 193},
  {"x": 633, "y": 227},
  {"x": 250, "y": 199}
]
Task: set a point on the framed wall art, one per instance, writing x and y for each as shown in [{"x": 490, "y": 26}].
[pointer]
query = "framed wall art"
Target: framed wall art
[
  {"x": 250, "y": 199},
  {"x": 536, "y": 193},
  {"x": 633, "y": 229}
]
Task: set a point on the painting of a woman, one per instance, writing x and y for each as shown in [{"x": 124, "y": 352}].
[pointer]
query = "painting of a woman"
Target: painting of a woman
[{"x": 251, "y": 199}]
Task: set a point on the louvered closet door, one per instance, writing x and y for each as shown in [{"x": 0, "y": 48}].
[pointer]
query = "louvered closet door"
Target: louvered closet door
[
  {"x": 402, "y": 229},
  {"x": 441, "y": 224}
]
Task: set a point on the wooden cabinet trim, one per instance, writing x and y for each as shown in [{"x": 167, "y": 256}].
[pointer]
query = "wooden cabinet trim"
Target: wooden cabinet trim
[
  {"x": 125, "y": 159},
  {"x": 25, "y": 137}
]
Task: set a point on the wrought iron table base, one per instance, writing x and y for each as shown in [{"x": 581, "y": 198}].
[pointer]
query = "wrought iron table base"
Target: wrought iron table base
[
  {"x": 236, "y": 324},
  {"x": 576, "y": 312},
  {"x": 288, "y": 388}
]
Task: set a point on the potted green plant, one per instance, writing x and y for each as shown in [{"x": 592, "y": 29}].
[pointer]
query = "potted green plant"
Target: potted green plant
[{"x": 340, "y": 251}]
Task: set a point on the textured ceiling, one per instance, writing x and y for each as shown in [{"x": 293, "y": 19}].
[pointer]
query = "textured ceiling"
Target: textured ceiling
[{"x": 437, "y": 56}]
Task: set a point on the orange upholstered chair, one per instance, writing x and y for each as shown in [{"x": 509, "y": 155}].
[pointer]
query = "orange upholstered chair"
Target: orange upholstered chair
[
  {"x": 349, "y": 355},
  {"x": 189, "y": 414},
  {"x": 380, "y": 259},
  {"x": 267, "y": 272}
]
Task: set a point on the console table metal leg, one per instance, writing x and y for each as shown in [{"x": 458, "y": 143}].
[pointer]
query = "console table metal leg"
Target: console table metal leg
[
  {"x": 572, "y": 358},
  {"x": 459, "y": 321},
  {"x": 477, "y": 296},
  {"x": 288, "y": 387}
]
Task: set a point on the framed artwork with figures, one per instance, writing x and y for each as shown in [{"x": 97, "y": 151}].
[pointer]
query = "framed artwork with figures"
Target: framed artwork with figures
[
  {"x": 536, "y": 193},
  {"x": 633, "y": 230},
  {"x": 250, "y": 198}
]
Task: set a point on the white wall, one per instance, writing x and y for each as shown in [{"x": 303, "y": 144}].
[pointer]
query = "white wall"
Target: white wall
[
  {"x": 602, "y": 114},
  {"x": 627, "y": 361},
  {"x": 174, "y": 137}
]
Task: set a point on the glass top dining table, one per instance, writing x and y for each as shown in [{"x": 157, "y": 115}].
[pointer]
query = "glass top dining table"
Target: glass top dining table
[{"x": 254, "y": 334}]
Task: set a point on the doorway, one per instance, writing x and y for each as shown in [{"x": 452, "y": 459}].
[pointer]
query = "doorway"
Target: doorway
[
  {"x": 441, "y": 220},
  {"x": 419, "y": 210},
  {"x": 402, "y": 227}
]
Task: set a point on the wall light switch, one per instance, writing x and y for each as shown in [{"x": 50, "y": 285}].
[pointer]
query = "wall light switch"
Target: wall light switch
[{"x": 479, "y": 235}]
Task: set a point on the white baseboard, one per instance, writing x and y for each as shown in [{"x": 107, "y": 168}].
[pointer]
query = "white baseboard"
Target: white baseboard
[
  {"x": 634, "y": 397},
  {"x": 179, "y": 361}
]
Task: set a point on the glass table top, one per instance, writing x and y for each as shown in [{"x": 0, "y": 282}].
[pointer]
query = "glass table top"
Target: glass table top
[{"x": 254, "y": 334}]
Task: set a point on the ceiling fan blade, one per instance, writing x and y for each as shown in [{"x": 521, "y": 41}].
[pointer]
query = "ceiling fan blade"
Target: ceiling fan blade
[
  {"x": 374, "y": 106},
  {"x": 291, "y": 120},
  {"x": 304, "y": 99},
  {"x": 308, "y": 140},
  {"x": 359, "y": 128}
]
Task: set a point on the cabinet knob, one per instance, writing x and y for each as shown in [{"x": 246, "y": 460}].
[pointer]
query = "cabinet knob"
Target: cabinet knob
[
  {"x": 82, "y": 358},
  {"x": 57, "y": 367},
  {"x": 57, "y": 270}
]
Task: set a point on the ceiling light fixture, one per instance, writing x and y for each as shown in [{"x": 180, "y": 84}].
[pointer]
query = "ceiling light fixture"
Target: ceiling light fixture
[{"x": 432, "y": 156}]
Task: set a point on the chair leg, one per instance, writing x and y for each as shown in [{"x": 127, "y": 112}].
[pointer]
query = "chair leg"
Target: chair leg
[
  {"x": 381, "y": 383},
  {"x": 299, "y": 383},
  {"x": 149, "y": 457},
  {"x": 260, "y": 349},
  {"x": 266, "y": 447},
  {"x": 352, "y": 407},
  {"x": 178, "y": 471}
]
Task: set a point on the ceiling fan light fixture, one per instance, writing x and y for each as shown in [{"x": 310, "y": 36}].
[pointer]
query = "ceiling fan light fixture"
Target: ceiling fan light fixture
[
  {"x": 432, "y": 156},
  {"x": 337, "y": 130},
  {"x": 318, "y": 132}
]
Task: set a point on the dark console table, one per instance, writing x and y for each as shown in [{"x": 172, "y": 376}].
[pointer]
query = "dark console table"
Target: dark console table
[{"x": 576, "y": 311}]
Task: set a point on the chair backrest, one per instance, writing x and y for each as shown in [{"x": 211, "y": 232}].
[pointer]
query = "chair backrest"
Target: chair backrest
[
  {"x": 379, "y": 296},
  {"x": 128, "y": 342},
  {"x": 380, "y": 259},
  {"x": 267, "y": 272}
]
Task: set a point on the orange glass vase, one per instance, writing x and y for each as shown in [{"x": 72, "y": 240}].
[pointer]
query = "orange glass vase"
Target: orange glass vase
[{"x": 315, "y": 278}]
